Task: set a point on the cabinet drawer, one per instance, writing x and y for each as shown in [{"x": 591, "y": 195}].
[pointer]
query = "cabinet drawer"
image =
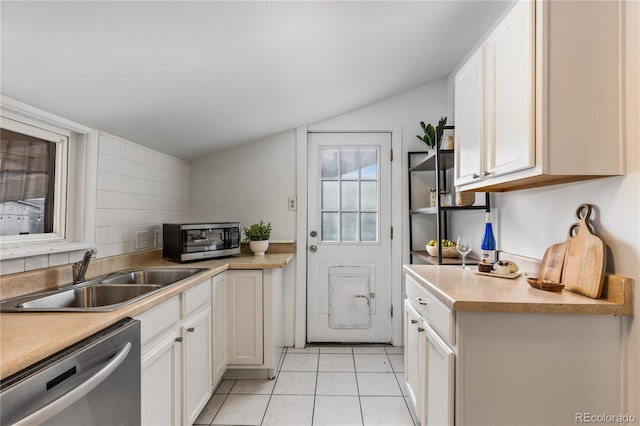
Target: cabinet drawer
[
  {"x": 436, "y": 313},
  {"x": 196, "y": 297},
  {"x": 156, "y": 320}
]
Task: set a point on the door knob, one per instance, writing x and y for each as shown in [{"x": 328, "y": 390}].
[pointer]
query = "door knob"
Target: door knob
[{"x": 313, "y": 248}]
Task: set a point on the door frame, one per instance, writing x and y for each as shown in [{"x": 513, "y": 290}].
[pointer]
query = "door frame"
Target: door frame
[{"x": 300, "y": 314}]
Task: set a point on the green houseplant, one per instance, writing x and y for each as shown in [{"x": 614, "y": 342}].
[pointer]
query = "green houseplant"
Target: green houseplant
[
  {"x": 430, "y": 137},
  {"x": 258, "y": 235}
]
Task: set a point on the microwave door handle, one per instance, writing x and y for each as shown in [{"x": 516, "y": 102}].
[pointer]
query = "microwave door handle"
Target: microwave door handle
[{"x": 50, "y": 410}]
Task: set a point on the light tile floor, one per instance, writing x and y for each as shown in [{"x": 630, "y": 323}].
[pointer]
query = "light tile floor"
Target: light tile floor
[{"x": 320, "y": 386}]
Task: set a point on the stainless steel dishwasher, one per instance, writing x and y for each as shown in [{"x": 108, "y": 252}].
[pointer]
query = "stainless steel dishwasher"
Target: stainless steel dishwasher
[{"x": 94, "y": 382}]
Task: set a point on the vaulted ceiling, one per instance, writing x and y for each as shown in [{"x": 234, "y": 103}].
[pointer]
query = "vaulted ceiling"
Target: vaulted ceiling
[{"x": 187, "y": 78}]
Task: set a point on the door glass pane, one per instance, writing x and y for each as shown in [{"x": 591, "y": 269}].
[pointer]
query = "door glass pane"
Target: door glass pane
[
  {"x": 329, "y": 163},
  {"x": 350, "y": 195},
  {"x": 349, "y": 163},
  {"x": 368, "y": 227},
  {"x": 330, "y": 226},
  {"x": 368, "y": 195},
  {"x": 349, "y": 227},
  {"x": 368, "y": 164},
  {"x": 330, "y": 195}
]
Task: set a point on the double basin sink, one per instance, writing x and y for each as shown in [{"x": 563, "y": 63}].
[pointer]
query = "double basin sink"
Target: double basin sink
[{"x": 106, "y": 293}]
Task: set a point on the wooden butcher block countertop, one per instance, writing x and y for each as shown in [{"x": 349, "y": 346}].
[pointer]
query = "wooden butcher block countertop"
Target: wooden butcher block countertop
[
  {"x": 26, "y": 338},
  {"x": 466, "y": 291}
]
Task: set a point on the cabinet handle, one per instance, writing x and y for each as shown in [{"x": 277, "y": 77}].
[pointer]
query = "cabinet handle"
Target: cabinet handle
[
  {"x": 191, "y": 329},
  {"x": 422, "y": 300},
  {"x": 420, "y": 329},
  {"x": 414, "y": 321},
  {"x": 486, "y": 173},
  {"x": 475, "y": 176},
  {"x": 178, "y": 339}
]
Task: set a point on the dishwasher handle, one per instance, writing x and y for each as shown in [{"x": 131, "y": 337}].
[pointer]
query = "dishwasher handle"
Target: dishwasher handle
[{"x": 75, "y": 394}]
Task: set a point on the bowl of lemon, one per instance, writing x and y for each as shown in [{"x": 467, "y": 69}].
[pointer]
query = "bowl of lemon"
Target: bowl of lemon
[{"x": 448, "y": 248}]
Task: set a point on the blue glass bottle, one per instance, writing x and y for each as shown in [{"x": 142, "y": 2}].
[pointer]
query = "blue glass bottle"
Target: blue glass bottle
[{"x": 488, "y": 246}]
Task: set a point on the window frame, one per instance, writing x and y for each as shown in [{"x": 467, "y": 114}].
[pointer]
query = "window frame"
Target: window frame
[{"x": 61, "y": 139}]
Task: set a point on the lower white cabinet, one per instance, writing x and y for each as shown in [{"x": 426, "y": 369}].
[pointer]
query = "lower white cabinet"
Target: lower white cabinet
[
  {"x": 176, "y": 357},
  {"x": 429, "y": 364},
  {"x": 244, "y": 318},
  {"x": 161, "y": 384},
  {"x": 505, "y": 368},
  {"x": 255, "y": 323}
]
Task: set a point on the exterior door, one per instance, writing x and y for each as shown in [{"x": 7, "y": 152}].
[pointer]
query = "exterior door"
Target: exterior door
[{"x": 349, "y": 237}]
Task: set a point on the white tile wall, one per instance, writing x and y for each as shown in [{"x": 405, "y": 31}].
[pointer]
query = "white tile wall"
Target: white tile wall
[{"x": 138, "y": 190}]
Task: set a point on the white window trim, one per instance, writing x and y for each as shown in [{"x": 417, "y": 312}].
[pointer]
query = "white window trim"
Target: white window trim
[
  {"x": 78, "y": 184},
  {"x": 61, "y": 174}
]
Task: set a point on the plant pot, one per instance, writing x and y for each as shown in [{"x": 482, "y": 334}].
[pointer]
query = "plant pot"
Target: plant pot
[{"x": 259, "y": 247}]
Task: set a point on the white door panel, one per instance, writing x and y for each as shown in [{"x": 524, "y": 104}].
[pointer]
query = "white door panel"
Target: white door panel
[{"x": 349, "y": 245}]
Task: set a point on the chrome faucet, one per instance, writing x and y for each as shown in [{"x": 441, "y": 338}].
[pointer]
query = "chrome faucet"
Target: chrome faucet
[{"x": 80, "y": 268}]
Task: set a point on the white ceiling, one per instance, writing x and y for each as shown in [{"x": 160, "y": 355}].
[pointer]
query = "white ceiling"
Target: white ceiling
[{"x": 187, "y": 78}]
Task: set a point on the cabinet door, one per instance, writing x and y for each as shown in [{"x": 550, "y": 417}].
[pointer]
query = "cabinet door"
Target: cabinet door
[
  {"x": 412, "y": 364},
  {"x": 469, "y": 110},
  {"x": 218, "y": 327},
  {"x": 438, "y": 364},
  {"x": 244, "y": 317},
  {"x": 160, "y": 383},
  {"x": 197, "y": 363},
  {"x": 510, "y": 141}
]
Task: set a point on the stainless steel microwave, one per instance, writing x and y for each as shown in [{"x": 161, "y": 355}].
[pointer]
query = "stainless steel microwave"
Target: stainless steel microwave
[{"x": 182, "y": 242}]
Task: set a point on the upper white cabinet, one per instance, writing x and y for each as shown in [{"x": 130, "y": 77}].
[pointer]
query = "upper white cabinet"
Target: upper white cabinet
[{"x": 540, "y": 101}]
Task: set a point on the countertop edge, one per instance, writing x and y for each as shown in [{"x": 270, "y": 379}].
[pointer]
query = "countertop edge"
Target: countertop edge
[
  {"x": 92, "y": 322},
  {"x": 617, "y": 299}
]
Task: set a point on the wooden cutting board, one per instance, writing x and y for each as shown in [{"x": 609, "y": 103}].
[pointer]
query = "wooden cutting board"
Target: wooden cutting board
[
  {"x": 552, "y": 263},
  {"x": 584, "y": 259}
]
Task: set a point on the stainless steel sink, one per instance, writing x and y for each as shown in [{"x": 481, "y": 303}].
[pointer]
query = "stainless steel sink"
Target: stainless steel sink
[
  {"x": 106, "y": 293},
  {"x": 158, "y": 276},
  {"x": 92, "y": 296}
]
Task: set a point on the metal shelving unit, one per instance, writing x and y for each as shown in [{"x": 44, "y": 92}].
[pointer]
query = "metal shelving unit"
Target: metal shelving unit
[{"x": 438, "y": 161}]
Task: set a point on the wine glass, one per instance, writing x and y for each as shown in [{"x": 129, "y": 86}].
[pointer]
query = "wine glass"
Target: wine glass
[{"x": 463, "y": 245}]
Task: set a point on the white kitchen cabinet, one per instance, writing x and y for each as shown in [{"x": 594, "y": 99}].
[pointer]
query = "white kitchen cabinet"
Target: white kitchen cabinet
[
  {"x": 469, "y": 112},
  {"x": 255, "y": 323},
  {"x": 176, "y": 357},
  {"x": 412, "y": 357},
  {"x": 532, "y": 105},
  {"x": 503, "y": 368},
  {"x": 161, "y": 353},
  {"x": 197, "y": 364},
  {"x": 429, "y": 359},
  {"x": 244, "y": 317},
  {"x": 218, "y": 328}
]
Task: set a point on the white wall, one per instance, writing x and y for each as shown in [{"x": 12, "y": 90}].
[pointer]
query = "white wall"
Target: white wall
[
  {"x": 247, "y": 183},
  {"x": 138, "y": 189}
]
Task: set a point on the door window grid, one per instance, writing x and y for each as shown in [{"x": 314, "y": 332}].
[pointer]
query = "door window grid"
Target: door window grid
[{"x": 349, "y": 194}]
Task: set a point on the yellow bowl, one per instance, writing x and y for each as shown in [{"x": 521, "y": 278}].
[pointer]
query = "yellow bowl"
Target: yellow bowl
[{"x": 446, "y": 251}]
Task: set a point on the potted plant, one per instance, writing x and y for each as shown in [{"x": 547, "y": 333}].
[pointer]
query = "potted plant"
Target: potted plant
[
  {"x": 431, "y": 135},
  {"x": 258, "y": 235}
]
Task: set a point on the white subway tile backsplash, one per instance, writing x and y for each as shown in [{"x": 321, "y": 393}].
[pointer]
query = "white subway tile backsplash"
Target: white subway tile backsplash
[
  {"x": 119, "y": 149},
  {"x": 103, "y": 199},
  {"x": 12, "y": 266},
  {"x": 56, "y": 259},
  {"x": 104, "y": 250},
  {"x": 103, "y": 217},
  {"x": 103, "y": 235}
]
